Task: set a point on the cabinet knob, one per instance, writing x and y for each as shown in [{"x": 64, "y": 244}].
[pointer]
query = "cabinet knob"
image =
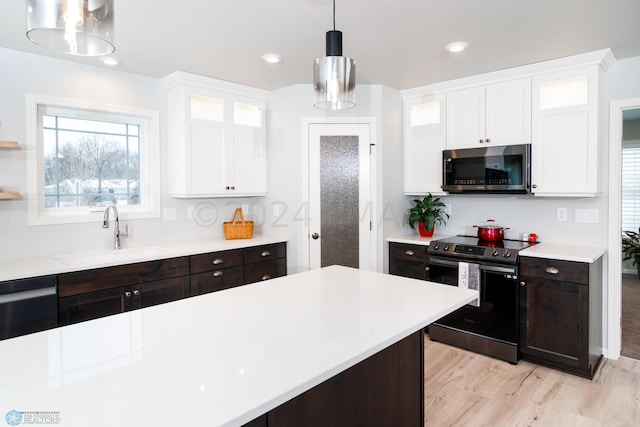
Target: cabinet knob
[
  {"x": 523, "y": 283},
  {"x": 551, "y": 270},
  {"x": 227, "y": 188},
  {"x": 266, "y": 277},
  {"x": 217, "y": 261},
  {"x": 534, "y": 186},
  {"x": 482, "y": 141},
  {"x": 409, "y": 252},
  {"x": 127, "y": 294},
  {"x": 265, "y": 253},
  {"x": 315, "y": 236},
  {"x": 218, "y": 273},
  {"x": 136, "y": 292},
  {"x": 488, "y": 140}
]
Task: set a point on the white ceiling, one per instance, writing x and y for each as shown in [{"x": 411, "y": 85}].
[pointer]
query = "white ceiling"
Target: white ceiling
[{"x": 398, "y": 43}]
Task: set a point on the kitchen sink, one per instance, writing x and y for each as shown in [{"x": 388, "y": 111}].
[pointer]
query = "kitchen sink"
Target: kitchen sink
[{"x": 112, "y": 256}]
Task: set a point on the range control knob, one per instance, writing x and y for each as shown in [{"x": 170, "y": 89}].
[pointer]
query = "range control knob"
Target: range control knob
[
  {"x": 446, "y": 248},
  {"x": 495, "y": 252},
  {"x": 436, "y": 247},
  {"x": 507, "y": 254}
]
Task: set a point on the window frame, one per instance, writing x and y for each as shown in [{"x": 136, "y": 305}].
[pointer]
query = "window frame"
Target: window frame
[
  {"x": 633, "y": 144},
  {"x": 149, "y": 161}
]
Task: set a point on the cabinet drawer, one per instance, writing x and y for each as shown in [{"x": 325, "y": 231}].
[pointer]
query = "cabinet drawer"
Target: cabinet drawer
[
  {"x": 260, "y": 271},
  {"x": 216, "y": 280},
  {"x": 408, "y": 252},
  {"x": 216, "y": 260},
  {"x": 98, "y": 279},
  {"x": 553, "y": 269},
  {"x": 264, "y": 253}
]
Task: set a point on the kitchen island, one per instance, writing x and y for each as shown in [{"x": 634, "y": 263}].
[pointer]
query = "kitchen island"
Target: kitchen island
[{"x": 225, "y": 358}]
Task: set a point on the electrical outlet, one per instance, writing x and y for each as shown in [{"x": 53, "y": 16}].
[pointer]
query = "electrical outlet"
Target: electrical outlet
[
  {"x": 169, "y": 214},
  {"x": 190, "y": 212},
  {"x": 561, "y": 214}
]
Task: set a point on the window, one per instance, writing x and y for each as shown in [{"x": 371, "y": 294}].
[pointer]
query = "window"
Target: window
[
  {"x": 87, "y": 157},
  {"x": 631, "y": 185}
]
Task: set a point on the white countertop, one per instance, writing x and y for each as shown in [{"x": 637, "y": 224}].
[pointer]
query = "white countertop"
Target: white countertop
[
  {"x": 64, "y": 263},
  {"x": 416, "y": 239},
  {"x": 564, "y": 252},
  {"x": 217, "y": 359}
]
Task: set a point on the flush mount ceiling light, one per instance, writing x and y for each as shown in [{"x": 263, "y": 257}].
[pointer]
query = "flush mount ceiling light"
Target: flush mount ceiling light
[
  {"x": 272, "y": 58},
  {"x": 111, "y": 61},
  {"x": 456, "y": 47},
  {"x": 76, "y": 27},
  {"x": 334, "y": 76}
]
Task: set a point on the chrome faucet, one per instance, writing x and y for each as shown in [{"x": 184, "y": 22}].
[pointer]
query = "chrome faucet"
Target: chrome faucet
[{"x": 116, "y": 232}]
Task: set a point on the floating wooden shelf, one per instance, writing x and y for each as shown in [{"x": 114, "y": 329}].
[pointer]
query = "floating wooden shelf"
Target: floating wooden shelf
[
  {"x": 9, "y": 196},
  {"x": 9, "y": 145}
]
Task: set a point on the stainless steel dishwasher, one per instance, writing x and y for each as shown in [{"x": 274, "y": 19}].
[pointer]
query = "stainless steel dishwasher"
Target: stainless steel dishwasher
[{"x": 28, "y": 305}]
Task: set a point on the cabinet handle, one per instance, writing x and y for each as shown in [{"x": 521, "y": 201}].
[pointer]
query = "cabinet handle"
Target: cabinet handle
[
  {"x": 217, "y": 261},
  {"x": 551, "y": 270},
  {"x": 265, "y": 253},
  {"x": 136, "y": 292},
  {"x": 218, "y": 273},
  {"x": 266, "y": 277},
  {"x": 127, "y": 294},
  {"x": 409, "y": 252},
  {"x": 523, "y": 284}
]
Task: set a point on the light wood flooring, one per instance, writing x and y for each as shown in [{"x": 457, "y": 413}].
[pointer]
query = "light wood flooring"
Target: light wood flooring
[{"x": 468, "y": 389}]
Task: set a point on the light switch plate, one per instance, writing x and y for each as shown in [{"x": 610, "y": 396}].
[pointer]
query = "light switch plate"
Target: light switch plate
[{"x": 587, "y": 215}]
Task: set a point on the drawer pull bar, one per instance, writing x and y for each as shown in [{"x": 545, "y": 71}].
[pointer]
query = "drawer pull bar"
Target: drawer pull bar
[
  {"x": 217, "y": 261},
  {"x": 218, "y": 273},
  {"x": 409, "y": 252},
  {"x": 265, "y": 253},
  {"x": 551, "y": 270},
  {"x": 266, "y": 277}
]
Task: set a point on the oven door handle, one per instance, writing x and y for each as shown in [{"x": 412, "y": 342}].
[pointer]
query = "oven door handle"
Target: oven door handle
[{"x": 490, "y": 268}]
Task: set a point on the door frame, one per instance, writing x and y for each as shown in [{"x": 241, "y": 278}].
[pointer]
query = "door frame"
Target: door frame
[
  {"x": 304, "y": 230},
  {"x": 614, "y": 256}
]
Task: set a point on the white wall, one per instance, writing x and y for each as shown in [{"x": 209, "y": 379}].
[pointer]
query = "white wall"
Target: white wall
[{"x": 23, "y": 73}]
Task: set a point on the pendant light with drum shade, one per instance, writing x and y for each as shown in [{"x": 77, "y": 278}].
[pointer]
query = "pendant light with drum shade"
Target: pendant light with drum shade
[
  {"x": 334, "y": 76},
  {"x": 76, "y": 27}
]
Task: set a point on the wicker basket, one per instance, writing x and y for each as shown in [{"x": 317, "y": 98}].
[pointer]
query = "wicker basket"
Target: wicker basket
[{"x": 238, "y": 229}]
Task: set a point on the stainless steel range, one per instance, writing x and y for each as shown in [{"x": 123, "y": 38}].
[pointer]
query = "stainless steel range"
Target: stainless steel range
[{"x": 491, "y": 326}]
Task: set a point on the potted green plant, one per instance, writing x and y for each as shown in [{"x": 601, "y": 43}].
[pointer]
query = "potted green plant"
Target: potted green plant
[
  {"x": 427, "y": 213},
  {"x": 631, "y": 248}
]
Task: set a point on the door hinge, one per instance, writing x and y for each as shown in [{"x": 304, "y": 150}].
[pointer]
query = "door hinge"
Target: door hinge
[
  {"x": 370, "y": 225},
  {"x": 371, "y": 148}
]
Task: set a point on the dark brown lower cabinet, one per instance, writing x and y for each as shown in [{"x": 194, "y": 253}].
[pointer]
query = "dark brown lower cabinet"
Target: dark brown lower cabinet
[
  {"x": 561, "y": 314},
  {"x": 261, "y": 271},
  {"x": 93, "y": 305},
  {"x": 386, "y": 389},
  {"x": 408, "y": 260}
]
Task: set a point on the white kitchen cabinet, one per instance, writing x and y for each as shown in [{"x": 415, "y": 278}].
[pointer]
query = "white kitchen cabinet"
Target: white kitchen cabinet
[
  {"x": 564, "y": 149},
  {"x": 424, "y": 140},
  {"x": 217, "y": 143},
  {"x": 496, "y": 114}
]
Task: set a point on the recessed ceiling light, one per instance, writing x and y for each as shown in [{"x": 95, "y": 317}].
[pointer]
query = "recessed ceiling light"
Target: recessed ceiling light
[
  {"x": 272, "y": 58},
  {"x": 111, "y": 61},
  {"x": 456, "y": 47}
]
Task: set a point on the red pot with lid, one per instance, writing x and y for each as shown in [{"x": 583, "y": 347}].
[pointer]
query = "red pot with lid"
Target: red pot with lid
[{"x": 490, "y": 231}]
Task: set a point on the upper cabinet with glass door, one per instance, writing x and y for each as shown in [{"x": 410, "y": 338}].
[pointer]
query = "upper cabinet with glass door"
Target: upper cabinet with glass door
[
  {"x": 496, "y": 114},
  {"x": 565, "y": 133},
  {"x": 424, "y": 140},
  {"x": 217, "y": 145}
]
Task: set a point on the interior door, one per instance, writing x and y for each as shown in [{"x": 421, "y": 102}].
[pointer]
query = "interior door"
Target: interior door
[{"x": 340, "y": 202}]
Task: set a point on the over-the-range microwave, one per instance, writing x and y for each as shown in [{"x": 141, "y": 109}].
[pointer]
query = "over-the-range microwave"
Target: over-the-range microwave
[{"x": 498, "y": 169}]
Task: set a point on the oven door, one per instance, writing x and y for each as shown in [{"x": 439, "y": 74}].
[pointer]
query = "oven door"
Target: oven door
[{"x": 497, "y": 316}]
